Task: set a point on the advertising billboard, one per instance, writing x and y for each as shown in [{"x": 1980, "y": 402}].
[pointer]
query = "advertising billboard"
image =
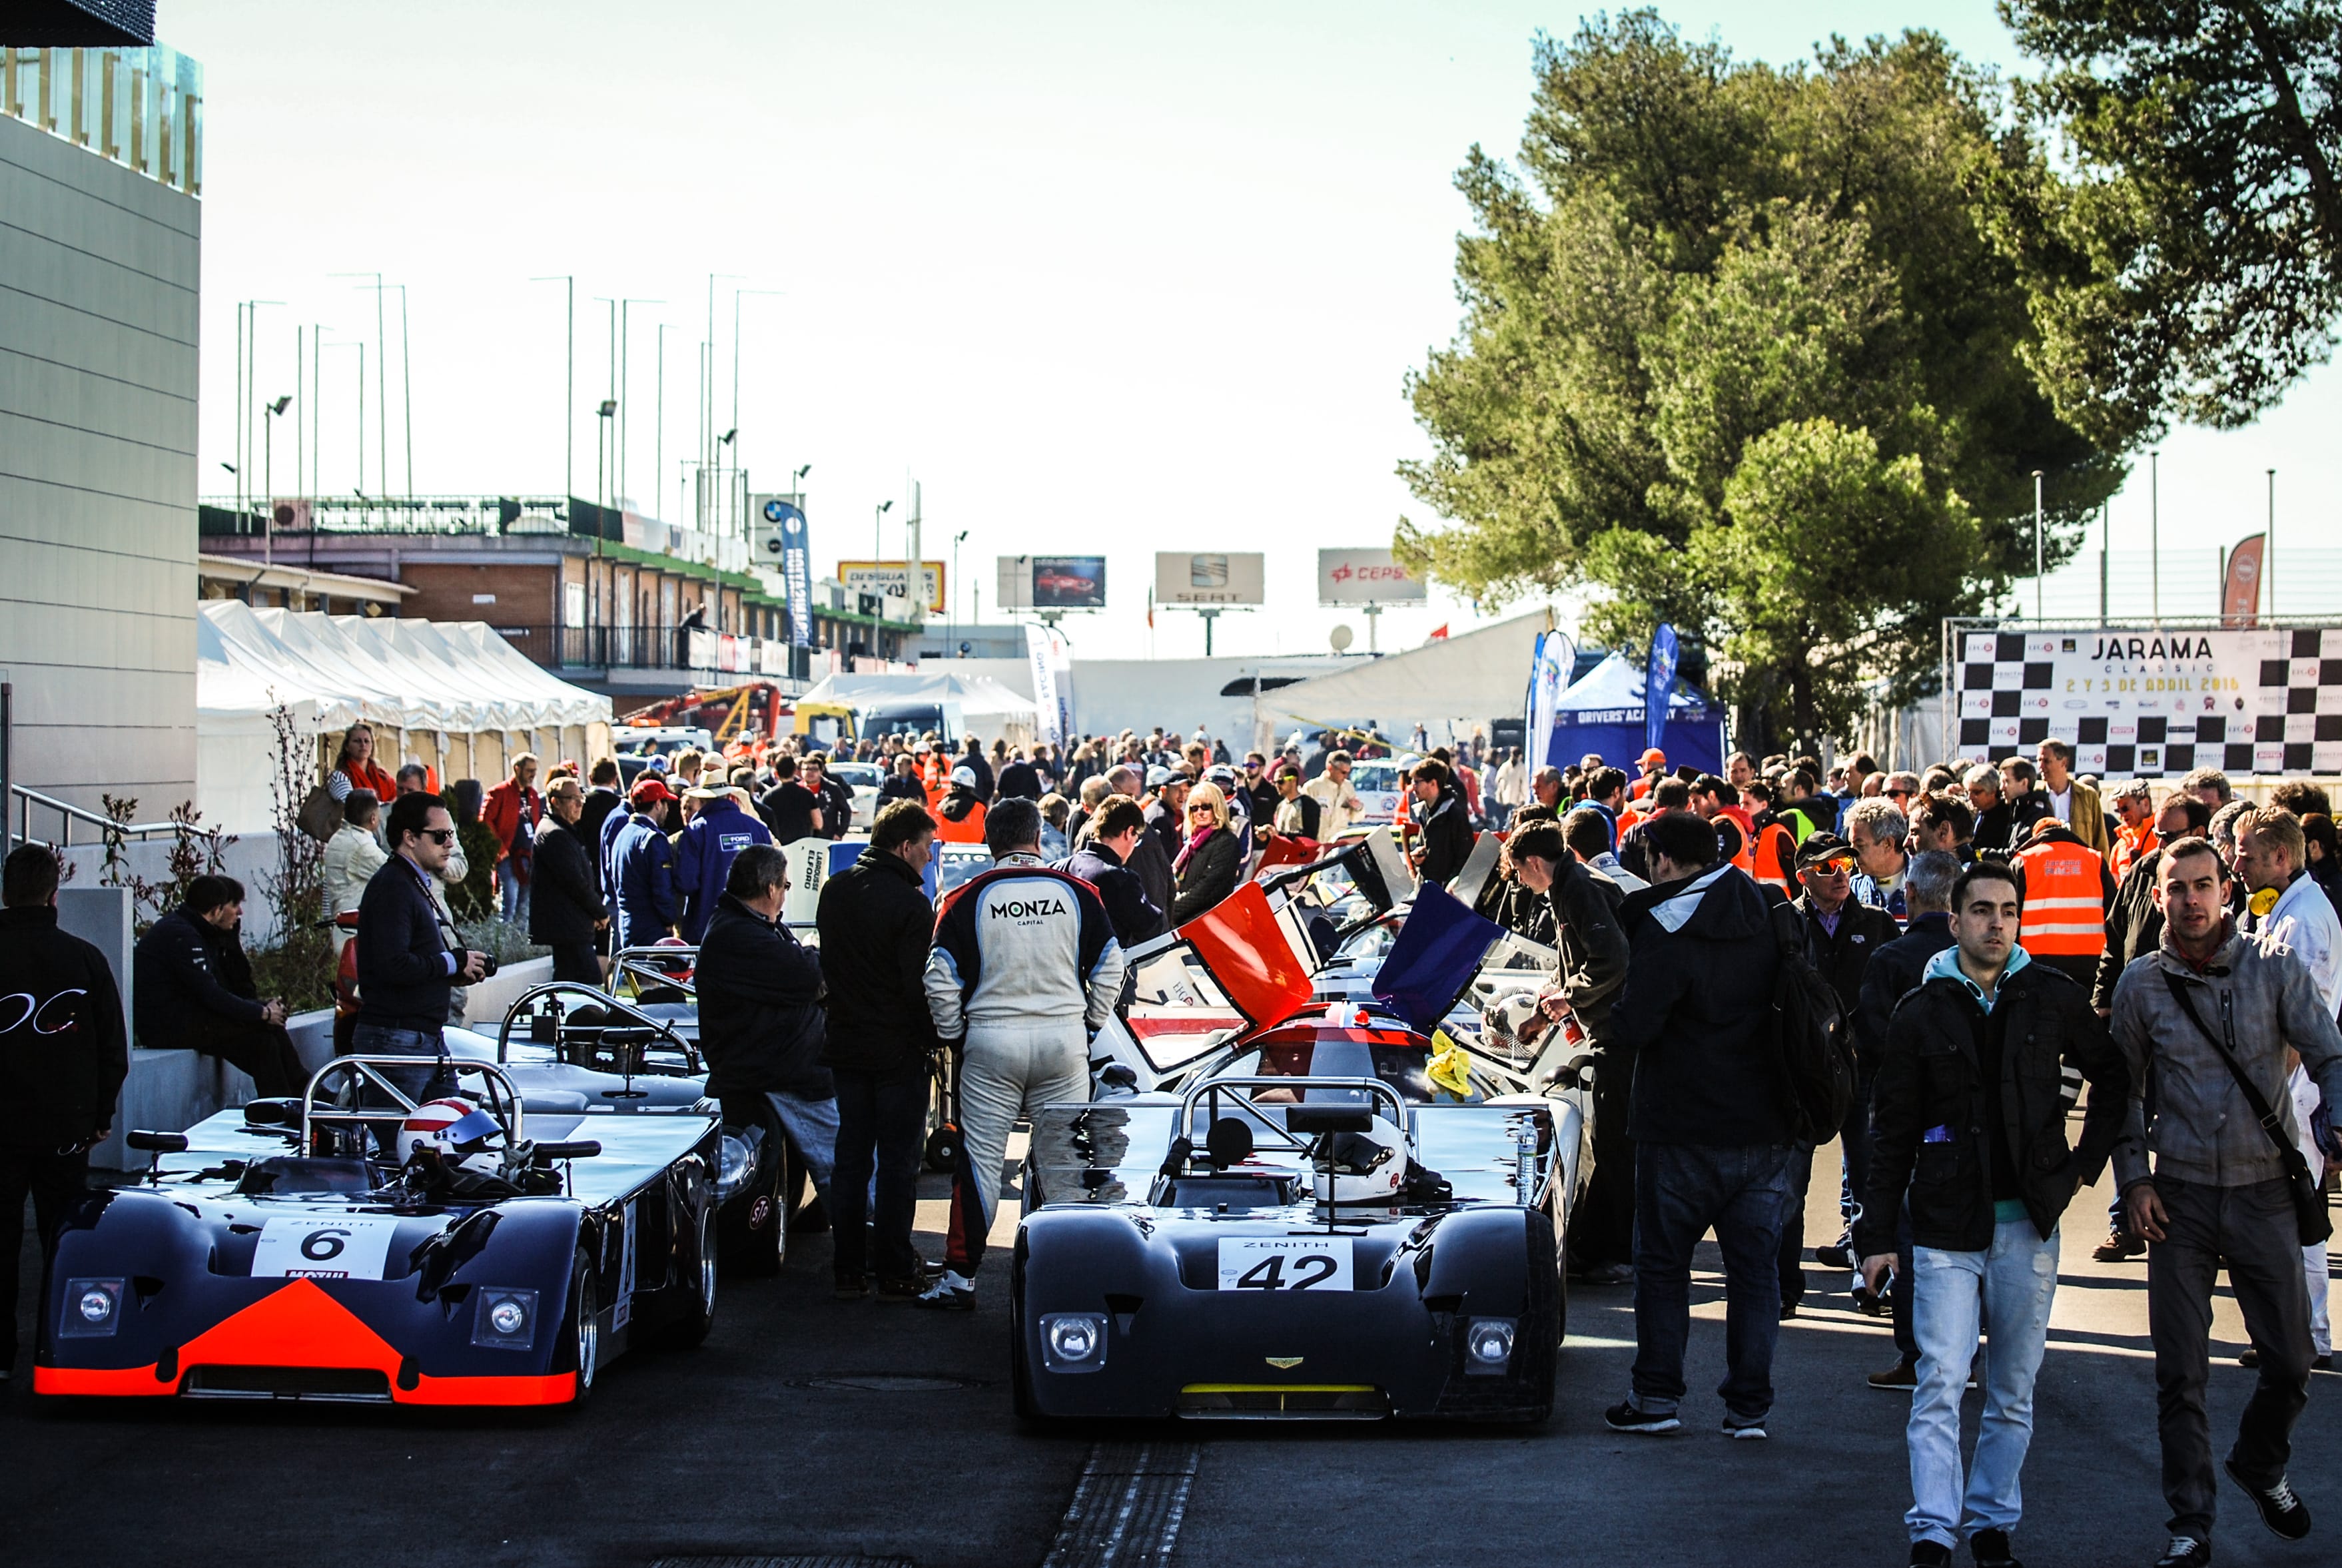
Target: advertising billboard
[
  {"x": 1364, "y": 577},
  {"x": 2139, "y": 702},
  {"x": 1052, "y": 582},
  {"x": 886, "y": 577},
  {"x": 1230, "y": 578},
  {"x": 783, "y": 541}
]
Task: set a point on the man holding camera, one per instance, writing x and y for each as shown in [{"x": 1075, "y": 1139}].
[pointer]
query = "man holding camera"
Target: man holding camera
[{"x": 405, "y": 966}]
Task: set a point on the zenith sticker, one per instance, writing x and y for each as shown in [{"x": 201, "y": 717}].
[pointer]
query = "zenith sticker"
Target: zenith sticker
[
  {"x": 1284, "y": 1263},
  {"x": 323, "y": 1247}
]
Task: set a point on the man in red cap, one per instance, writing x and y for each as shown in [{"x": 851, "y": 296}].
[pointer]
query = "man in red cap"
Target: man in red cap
[{"x": 640, "y": 867}]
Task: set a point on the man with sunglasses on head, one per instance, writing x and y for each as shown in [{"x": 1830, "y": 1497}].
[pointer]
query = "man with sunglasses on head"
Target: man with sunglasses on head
[{"x": 405, "y": 967}]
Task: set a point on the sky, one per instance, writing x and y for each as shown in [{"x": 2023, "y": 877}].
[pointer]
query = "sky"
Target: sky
[{"x": 1099, "y": 277}]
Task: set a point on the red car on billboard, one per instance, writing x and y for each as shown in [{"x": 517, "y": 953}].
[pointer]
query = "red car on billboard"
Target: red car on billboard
[{"x": 1069, "y": 581}]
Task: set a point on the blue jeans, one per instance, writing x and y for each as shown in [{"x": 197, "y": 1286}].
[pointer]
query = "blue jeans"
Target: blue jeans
[
  {"x": 812, "y": 1127},
  {"x": 1681, "y": 1191},
  {"x": 512, "y": 893},
  {"x": 417, "y": 1083},
  {"x": 2012, "y": 1284}
]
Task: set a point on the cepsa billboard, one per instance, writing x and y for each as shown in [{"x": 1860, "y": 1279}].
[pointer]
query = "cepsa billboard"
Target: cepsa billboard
[{"x": 1366, "y": 577}]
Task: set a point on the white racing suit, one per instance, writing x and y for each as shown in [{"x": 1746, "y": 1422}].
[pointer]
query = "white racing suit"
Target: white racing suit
[{"x": 1024, "y": 968}]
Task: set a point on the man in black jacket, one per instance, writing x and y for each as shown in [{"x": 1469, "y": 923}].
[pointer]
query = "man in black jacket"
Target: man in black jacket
[
  {"x": 836, "y": 794},
  {"x": 760, "y": 1018},
  {"x": 404, "y": 964},
  {"x": 194, "y": 991},
  {"x": 875, "y": 925},
  {"x": 1440, "y": 817},
  {"x": 1589, "y": 968},
  {"x": 1969, "y": 1126},
  {"x": 63, "y": 1057},
  {"x": 1894, "y": 970},
  {"x": 1119, "y": 826},
  {"x": 565, "y": 908},
  {"x": 1710, "y": 1122},
  {"x": 1841, "y": 933}
]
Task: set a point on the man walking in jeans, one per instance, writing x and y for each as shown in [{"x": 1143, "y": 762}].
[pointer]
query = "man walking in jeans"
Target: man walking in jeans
[
  {"x": 1712, "y": 1139},
  {"x": 2208, "y": 1013},
  {"x": 1968, "y": 1123}
]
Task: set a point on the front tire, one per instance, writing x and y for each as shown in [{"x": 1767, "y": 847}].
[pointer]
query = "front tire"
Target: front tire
[
  {"x": 689, "y": 1328},
  {"x": 582, "y": 1326}
]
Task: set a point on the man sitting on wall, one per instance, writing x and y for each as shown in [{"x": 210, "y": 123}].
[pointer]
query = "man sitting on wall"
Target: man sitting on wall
[{"x": 192, "y": 991}]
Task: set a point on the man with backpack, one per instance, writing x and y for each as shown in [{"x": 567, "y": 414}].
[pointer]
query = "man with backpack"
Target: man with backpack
[{"x": 1714, "y": 1117}]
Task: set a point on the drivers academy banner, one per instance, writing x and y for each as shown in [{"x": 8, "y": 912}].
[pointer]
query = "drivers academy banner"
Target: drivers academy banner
[{"x": 2135, "y": 702}]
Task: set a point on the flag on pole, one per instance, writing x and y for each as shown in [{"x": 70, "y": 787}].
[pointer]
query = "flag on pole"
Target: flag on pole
[{"x": 1658, "y": 685}]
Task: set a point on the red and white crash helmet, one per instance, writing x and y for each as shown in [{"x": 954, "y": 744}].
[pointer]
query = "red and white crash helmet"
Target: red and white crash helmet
[{"x": 459, "y": 1130}]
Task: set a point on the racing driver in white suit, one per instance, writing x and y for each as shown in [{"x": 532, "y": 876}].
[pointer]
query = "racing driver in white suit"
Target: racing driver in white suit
[{"x": 1024, "y": 969}]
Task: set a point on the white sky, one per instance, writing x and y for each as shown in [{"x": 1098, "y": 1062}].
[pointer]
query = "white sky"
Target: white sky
[{"x": 1101, "y": 276}]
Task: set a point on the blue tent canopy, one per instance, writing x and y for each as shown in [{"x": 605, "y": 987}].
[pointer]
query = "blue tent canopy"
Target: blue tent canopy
[{"x": 1602, "y": 711}]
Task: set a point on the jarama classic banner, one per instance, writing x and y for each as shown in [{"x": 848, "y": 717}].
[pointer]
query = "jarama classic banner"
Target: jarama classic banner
[{"x": 2138, "y": 702}]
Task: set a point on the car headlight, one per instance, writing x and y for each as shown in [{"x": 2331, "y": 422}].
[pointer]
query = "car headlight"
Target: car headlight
[
  {"x": 506, "y": 1320},
  {"x": 1073, "y": 1341},
  {"x": 1487, "y": 1346},
  {"x": 736, "y": 1166},
  {"x": 93, "y": 1309}
]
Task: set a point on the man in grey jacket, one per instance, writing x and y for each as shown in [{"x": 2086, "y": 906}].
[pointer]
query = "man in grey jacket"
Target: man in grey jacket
[{"x": 2218, "y": 1191}]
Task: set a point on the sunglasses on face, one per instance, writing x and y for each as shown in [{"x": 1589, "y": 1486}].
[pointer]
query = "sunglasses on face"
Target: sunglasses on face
[
  {"x": 440, "y": 834},
  {"x": 1836, "y": 865},
  {"x": 1199, "y": 811}
]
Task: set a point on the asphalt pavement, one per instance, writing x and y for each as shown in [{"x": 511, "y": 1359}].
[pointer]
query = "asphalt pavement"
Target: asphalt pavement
[{"x": 806, "y": 1428}]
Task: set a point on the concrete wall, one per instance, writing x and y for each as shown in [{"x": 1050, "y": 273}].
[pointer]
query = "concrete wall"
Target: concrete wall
[{"x": 98, "y": 472}]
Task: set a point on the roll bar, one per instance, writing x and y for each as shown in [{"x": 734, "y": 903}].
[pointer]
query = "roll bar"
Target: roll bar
[
  {"x": 1210, "y": 1088},
  {"x": 692, "y": 1058},
  {"x": 361, "y": 1071}
]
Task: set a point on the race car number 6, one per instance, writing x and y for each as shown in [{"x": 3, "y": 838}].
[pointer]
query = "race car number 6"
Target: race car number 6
[
  {"x": 322, "y": 1247},
  {"x": 1284, "y": 1263}
]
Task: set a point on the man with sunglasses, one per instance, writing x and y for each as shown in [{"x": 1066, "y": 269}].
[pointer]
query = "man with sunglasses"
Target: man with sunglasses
[
  {"x": 405, "y": 967},
  {"x": 1841, "y": 933}
]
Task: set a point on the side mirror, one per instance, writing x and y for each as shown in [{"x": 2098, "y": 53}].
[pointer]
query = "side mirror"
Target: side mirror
[
  {"x": 576, "y": 1149},
  {"x": 1120, "y": 1075},
  {"x": 273, "y": 1112},
  {"x": 157, "y": 1143}
]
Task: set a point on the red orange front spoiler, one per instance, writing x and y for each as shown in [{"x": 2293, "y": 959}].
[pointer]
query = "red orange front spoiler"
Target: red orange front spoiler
[{"x": 302, "y": 1326}]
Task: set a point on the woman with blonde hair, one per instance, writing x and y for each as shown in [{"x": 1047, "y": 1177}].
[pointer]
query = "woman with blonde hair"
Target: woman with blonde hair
[{"x": 1211, "y": 860}]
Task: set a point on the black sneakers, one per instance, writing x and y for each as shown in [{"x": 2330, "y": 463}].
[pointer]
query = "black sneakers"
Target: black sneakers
[
  {"x": 2185, "y": 1551},
  {"x": 1838, "y": 1255},
  {"x": 1930, "y": 1554},
  {"x": 1990, "y": 1550},
  {"x": 1624, "y": 1417},
  {"x": 2286, "y": 1515}
]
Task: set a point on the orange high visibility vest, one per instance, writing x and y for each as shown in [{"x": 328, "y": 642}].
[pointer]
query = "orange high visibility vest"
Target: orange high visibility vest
[
  {"x": 1774, "y": 856},
  {"x": 2132, "y": 845},
  {"x": 2064, "y": 904}
]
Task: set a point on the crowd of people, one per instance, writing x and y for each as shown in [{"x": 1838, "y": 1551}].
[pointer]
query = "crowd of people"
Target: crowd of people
[
  {"x": 1996, "y": 937},
  {"x": 1993, "y": 938}
]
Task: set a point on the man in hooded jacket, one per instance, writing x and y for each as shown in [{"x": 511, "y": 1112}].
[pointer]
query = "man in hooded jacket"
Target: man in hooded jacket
[{"x": 1710, "y": 1122}]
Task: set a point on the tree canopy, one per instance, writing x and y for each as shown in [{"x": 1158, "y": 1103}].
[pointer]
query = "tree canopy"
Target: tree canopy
[
  {"x": 1739, "y": 349},
  {"x": 2186, "y": 263}
]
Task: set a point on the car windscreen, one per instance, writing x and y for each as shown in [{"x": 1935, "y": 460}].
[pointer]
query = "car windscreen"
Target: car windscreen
[
  {"x": 1376, "y": 778},
  {"x": 903, "y": 721}
]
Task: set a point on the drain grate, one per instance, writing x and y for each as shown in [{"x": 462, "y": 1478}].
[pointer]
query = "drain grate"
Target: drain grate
[
  {"x": 1126, "y": 1507},
  {"x": 889, "y": 1382},
  {"x": 831, "y": 1560}
]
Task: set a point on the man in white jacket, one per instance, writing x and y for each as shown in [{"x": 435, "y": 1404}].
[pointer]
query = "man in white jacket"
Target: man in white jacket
[
  {"x": 2287, "y": 906},
  {"x": 1024, "y": 970}
]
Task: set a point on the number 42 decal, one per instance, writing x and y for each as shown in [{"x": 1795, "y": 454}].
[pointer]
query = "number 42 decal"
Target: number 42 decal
[{"x": 1285, "y": 1263}]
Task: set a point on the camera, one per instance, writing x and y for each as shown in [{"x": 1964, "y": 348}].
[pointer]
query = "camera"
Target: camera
[{"x": 487, "y": 965}]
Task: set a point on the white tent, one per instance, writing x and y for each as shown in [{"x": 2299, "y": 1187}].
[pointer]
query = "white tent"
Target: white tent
[
  {"x": 985, "y": 706},
  {"x": 1457, "y": 682},
  {"x": 453, "y": 695}
]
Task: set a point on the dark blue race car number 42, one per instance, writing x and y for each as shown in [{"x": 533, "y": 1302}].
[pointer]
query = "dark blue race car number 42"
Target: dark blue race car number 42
[{"x": 1285, "y": 1263}]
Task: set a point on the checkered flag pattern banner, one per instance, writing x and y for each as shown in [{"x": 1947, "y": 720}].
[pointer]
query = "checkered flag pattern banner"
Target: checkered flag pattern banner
[{"x": 2138, "y": 703}]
